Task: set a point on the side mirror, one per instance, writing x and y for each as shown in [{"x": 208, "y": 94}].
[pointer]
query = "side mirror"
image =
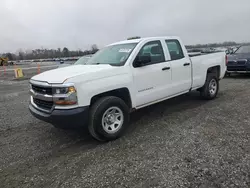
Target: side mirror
[{"x": 142, "y": 60}]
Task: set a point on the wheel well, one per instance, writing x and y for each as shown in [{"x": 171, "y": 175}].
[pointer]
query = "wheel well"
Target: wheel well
[
  {"x": 122, "y": 93},
  {"x": 215, "y": 70}
]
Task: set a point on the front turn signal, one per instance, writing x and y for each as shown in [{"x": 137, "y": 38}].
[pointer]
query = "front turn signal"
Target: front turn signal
[{"x": 64, "y": 102}]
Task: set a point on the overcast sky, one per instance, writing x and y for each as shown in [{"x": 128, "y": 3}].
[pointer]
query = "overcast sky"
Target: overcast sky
[{"x": 29, "y": 24}]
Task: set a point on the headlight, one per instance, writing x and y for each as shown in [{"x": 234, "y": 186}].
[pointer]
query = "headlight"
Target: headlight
[
  {"x": 65, "y": 90},
  {"x": 65, "y": 96}
]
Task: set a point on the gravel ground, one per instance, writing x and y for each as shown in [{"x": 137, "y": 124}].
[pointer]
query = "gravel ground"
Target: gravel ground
[{"x": 183, "y": 142}]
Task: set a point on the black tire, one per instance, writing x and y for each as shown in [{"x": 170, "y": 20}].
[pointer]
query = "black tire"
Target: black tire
[
  {"x": 206, "y": 92},
  {"x": 97, "y": 112}
]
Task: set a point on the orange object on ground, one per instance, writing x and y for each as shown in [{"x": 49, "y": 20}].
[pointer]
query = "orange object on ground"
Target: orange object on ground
[{"x": 38, "y": 69}]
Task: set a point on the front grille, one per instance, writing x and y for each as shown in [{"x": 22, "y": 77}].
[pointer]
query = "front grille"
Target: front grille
[
  {"x": 237, "y": 68},
  {"x": 241, "y": 62},
  {"x": 42, "y": 90},
  {"x": 232, "y": 63},
  {"x": 47, "y": 105}
]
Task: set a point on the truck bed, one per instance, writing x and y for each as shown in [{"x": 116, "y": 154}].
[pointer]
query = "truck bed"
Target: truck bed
[
  {"x": 193, "y": 54},
  {"x": 201, "y": 63}
]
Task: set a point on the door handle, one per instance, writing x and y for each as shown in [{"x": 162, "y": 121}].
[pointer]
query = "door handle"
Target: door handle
[
  {"x": 186, "y": 64},
  {"x": 165, "y": 68}
]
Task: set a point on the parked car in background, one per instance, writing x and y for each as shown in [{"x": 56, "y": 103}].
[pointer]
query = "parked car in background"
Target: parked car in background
[
  {"x": 121, "y": 78},
  {"x": 239, "y": 61}
]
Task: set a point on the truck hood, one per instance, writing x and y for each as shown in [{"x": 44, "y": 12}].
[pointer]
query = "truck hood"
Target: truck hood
[
  {"x": 58, "y": 76},
  {"x": 235, "y": 57}
]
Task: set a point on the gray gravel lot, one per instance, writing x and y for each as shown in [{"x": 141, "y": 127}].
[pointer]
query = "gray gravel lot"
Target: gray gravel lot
[{"x": 183, "y": 142}]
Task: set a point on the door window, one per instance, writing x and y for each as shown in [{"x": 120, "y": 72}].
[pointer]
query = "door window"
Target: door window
[{"x": 154, "y": 50}]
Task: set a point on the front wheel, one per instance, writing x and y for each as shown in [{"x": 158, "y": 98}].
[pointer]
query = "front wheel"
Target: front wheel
[
  {"x": 109, "y": 117},
  {"x": 210, "y": 89}
]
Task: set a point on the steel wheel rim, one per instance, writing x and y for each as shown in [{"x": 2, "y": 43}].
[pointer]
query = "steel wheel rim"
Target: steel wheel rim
[
  {"x": 112, "y": 120},
  {"x": 212, "y": 87}
]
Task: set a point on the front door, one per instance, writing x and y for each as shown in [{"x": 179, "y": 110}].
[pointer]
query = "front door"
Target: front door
[{"x": 153, "y": 80}]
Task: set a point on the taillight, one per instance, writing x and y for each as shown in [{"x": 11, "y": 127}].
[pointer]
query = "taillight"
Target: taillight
[{"x": 226, "y": 59}]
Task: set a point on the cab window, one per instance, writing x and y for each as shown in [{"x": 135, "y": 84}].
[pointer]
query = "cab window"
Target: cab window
[
  {"x": 174, "y": 49},
  {"x": 154, "y": 50}
]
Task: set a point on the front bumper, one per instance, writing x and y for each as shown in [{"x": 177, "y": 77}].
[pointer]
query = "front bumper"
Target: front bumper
[
  {"x": 238, "y": 68},
  {"x": 77, "y": 117},
  {"x": 238, "y": 71}
]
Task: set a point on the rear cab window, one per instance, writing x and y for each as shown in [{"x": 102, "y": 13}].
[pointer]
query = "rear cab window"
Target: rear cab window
[{"x": 175, "y": 49}]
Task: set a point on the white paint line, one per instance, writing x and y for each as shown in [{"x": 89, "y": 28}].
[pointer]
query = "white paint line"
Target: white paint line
[
  {"x": 28, "y": 68},
  {"x": 11, "y": 82}
]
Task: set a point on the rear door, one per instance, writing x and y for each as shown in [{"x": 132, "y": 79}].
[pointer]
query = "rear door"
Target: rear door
[
  {"x": 153, "y": 80},
  {"x": 181, "y": 67}
]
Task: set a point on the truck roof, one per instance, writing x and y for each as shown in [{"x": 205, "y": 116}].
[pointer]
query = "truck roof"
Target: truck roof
[{"x": 143, "y": 39}]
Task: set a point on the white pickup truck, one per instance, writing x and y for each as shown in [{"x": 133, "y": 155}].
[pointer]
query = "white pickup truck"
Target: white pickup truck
[{"x": 120, "y": 78}]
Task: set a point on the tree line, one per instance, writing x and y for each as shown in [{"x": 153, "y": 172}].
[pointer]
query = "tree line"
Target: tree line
[
  {"x": 48, "y": 53},
  {"x": 65, "y": 52}
]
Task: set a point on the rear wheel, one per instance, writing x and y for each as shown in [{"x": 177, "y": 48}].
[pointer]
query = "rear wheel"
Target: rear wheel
[
  {"x": 109, "y": 117},
  {"x": 210, "y": 89}
]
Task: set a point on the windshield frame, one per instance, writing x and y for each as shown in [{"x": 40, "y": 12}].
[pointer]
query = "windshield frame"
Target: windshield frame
[{"x": 92, "y": 59}]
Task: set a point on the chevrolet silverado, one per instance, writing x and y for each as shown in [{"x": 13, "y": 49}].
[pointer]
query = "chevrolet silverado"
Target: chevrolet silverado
[{"x": 120, "y": 78}]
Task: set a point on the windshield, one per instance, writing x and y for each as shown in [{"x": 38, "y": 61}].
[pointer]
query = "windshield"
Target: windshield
[
  {"x": 82, "y": 60},
  {"x": 243, "y": 50},
  {"x": 114, "y": 55}
]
